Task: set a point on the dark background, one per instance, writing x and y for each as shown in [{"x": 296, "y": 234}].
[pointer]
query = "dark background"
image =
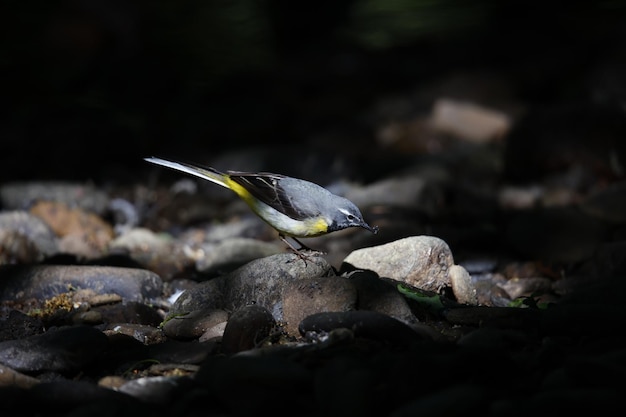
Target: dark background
[{"x": 89, "y": 87}]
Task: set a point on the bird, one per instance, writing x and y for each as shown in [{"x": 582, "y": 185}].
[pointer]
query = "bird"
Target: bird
[{"x": 295, "y": 208}]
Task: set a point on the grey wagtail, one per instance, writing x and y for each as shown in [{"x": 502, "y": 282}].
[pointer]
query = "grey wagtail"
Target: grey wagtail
[{"x": 295, "y": 208}]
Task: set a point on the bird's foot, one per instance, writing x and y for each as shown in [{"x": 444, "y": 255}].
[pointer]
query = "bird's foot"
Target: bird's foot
[{"x": 303, "y": 252}]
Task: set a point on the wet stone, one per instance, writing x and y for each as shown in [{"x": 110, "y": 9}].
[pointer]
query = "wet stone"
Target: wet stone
[
  {"x": 259, "y": 282},
  {"x": 194, "y": 324},
  {"x": 247, "y": 328},
  {"x": 63, "y": 350},
  {"x": 374, "y": 294},
  {"x": 262, "y": 281},
  {"x": 189, "y": 352},
  {"x": 155, "y": 389},
  {"x": 11, "y": 378},
  {"x": 131, "y": 312},
  {"x": 147, "y": 335},
  {"x": 305, "y": 297},
  {"x": 365, "y": 324},
  {"x": 46, "y": 281}
]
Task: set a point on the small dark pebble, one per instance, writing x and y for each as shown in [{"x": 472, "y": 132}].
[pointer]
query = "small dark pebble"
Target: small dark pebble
[
  {"x": 247, "y": 328},
  {"x": 366, "y": 324}
]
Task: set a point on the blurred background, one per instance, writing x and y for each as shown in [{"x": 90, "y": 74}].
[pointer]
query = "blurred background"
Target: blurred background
[{"x": 89, "y": 87}]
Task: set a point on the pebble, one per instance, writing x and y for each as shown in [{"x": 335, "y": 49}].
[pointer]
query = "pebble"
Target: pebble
[
  {"x": 367, "y": 324},
  {"x": 193, "y": 324},
  {"x": 375, "y": 294},
  {"x": 153, "y": 390},
  {"x": 148, "y": 335},
  {"x": 11, "y": 378},
  {"x": 462, "y": 286},
  {"x": 247, "y": 328}
]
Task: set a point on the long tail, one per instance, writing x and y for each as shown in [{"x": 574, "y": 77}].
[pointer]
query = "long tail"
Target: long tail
[{"x": 208, "y": 173}]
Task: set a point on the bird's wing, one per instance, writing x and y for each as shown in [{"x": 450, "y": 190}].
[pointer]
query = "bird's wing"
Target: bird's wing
[{"x": 267, "y": 188}]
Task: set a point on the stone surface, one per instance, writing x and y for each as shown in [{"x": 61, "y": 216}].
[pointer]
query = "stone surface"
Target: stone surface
[
  {"x": 418, "y": 261},
  {"x": 45, "y": 281}
]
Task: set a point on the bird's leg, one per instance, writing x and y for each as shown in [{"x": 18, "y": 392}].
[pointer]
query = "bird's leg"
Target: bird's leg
[
  {"x": 306, "y": 248},
  {"x": 302, "y": 247}
]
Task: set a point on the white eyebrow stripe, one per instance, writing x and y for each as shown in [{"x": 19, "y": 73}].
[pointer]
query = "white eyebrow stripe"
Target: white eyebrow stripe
[{"x": 346, "y": 212}]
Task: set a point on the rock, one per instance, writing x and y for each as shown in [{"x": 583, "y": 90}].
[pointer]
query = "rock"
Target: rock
[
  {"x": 194, "y": 324},
  {"x": 462, "y": 287},
  {"x": 205, "y": 296},
  {"x": 302, "y": 298},
  {"x": 22, "y": 282},
  {"x": 408, "y": 191},
  {"x": 21, "y": 195},
  {"x": 81, "y": 232},
  {"x": 11, "y": 378},
  {"x": 25, "y": 238},
  {"x": 154, "y": 389},
  {"x": 247, "y": 328},
  {"x": 422, "y": 262},
  {"x": 214, "y": 333},
  {"x": 156, "y": 252},
  {"x": 229, "y": 254},
  {"x": 366, "y": 324},
  {"x": 63, "y": 350},
  {"x": 377, "y": 295},
  {"x": 259, "y": 282},
  {"x": 517, "y": 287},
  {"x": 147, "y": 335},
  {"x": 174, "y": 351},
  {"x": 262, "y": 281},
  {"x": 130, "y": 312},
  {"x": 470, "y": 121}
]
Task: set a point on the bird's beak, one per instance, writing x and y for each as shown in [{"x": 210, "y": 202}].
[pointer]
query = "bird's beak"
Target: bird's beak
[{"x": 370, "y": 228}]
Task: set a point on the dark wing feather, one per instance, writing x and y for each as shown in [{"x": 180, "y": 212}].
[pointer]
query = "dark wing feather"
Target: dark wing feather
[{"x": 266, "y": 187}]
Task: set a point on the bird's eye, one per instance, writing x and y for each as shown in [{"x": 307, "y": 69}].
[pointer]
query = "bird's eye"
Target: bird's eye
[{"x": 350, "y": 217}]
